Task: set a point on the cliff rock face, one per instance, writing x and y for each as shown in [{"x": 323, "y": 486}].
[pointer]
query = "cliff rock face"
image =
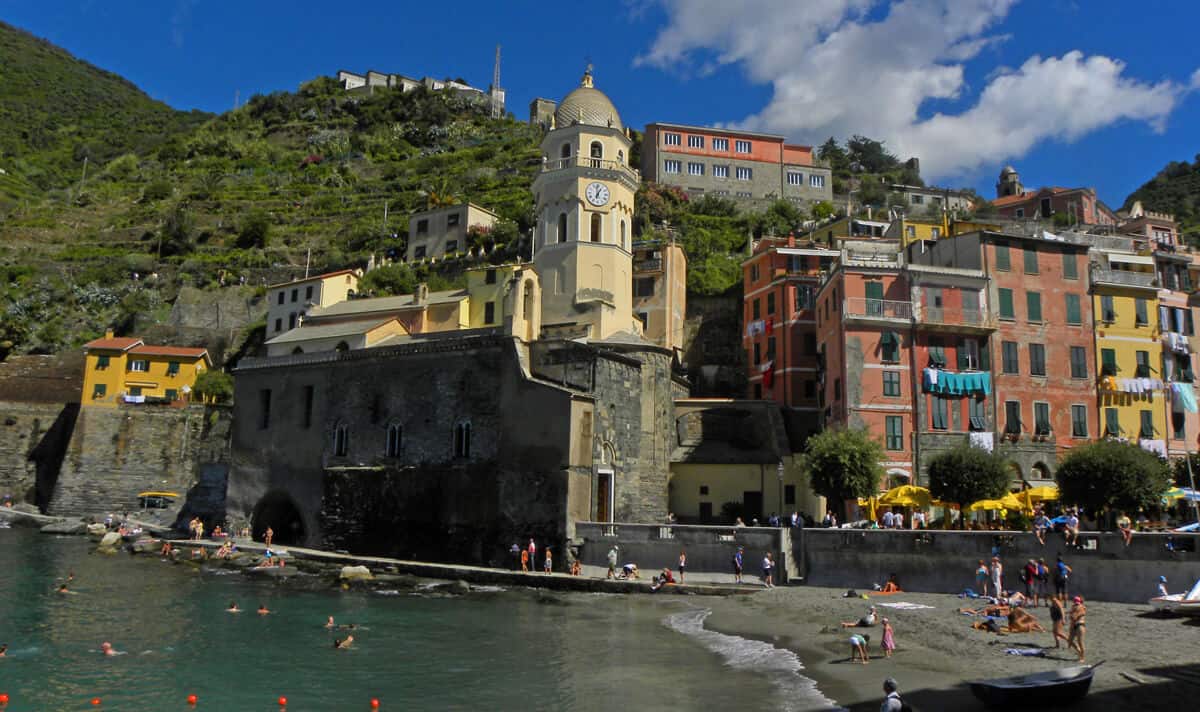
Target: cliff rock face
[{"x": 114, "y": 453}]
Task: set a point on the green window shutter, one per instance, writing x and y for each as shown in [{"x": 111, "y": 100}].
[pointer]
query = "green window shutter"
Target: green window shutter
[
  {"x": 1112, "y": 422},
  {"x": 1002, "y": 260},
  {"x": 1147, "y": 430},
  {"x": 985, "y": 356},
  {"x": 1143, "y": 317},
  {"x": 895, "y": 432},
  {"x": 1073, "y": 314},
  {"x": 1079, "y": 427},
  {"x": 1033, "y": 305},
  {"x": 889, "y": 346},
  {"x": 1107, "y": 311},
  {"x": 1041, "y": 418},
  {"x": 939, "y": 412},
  {"x": 1031, "y": 261},
  {"x": 1108, "y": 362},
  {"x": 1078, "y": 362},
  {"x": 1143, "y": 364},
  {"x": 1070, "y": 266},
  {"x": 1010, "y": 357},
  {"x": 1006, "y": 303},
  {"x": 1037, "y": 359},
  {"x": 964, "y": 360}
]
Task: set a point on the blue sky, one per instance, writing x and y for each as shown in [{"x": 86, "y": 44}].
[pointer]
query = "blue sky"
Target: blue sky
[{"x": 1084, "y": 92}]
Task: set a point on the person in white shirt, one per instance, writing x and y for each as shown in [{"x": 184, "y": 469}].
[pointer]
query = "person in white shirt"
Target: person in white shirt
[
  {"x": 889, "y": 519},
  {"x": 898, "y": 520}
]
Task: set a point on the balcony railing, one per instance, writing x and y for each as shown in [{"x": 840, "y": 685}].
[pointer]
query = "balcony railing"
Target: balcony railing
[
  {"x": 1124, "y": 278},
  {"x": 648, "y": 266},
  {"x": 943, "y": 316},
  {"x": 863, "y": 308},
  {"x": 603, "y": 164}
]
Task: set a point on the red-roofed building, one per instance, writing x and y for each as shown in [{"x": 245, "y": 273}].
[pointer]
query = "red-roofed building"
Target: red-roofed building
[
  {"x": 1076, "y": 205},
  {"x": 124, "y": 369}
]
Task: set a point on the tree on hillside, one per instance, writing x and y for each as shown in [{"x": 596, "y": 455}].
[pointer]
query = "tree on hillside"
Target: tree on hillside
[
  {"x": 780, "y": 218},
  {"x": 834, "y": 155},
  {"x": 175, "y": 235},
  {"x": 1112, "y": 474},
  {"x": 966, "y": 474},
  {"x": 254, "y": 230},
  {"x": 870, "y": 156},
  {"x": 214, "y": 387},
  {"x": 822, "y": 209},
  {"x": 843, "y": 464}
]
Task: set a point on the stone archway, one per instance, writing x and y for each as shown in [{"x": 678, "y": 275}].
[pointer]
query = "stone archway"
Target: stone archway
[{"x": 278, "y": 511}]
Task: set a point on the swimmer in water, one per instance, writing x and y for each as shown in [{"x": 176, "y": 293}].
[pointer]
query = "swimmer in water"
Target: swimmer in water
[
  {"x": 233, "y": 608},
  {"x": 329, "y": 623},
  {"x": 343, "y": 643},
  {"x": 262, "y": 610},
  {"x": 107, "y": 648},
  {"x": 3, "y": 650},
  {"x": 63, "y": 589}
]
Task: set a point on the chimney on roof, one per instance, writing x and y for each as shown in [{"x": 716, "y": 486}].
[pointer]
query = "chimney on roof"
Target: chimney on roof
[
  {"x": 108, "y": 333},
  {"x": 422, "y": 294}
]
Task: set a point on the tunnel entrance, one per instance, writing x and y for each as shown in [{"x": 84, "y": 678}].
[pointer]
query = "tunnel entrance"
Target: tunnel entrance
[{"x": 277, "y": 511}]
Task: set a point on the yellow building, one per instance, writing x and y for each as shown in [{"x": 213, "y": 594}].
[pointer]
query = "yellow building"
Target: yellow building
[
  {"x": 289, "y": 302},
  {"x": 909, "y": 230},
  {"x": 125, "y": 369},
  {"x": 584, "y": 205},
  {"x": 1128, "y": 351}
]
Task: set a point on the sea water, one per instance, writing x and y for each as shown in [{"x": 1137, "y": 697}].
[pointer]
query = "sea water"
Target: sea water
[{"x": 495, "y": 649}]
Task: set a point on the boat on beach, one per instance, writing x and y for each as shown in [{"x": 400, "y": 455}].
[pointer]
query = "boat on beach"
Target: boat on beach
[
  {"x": 1036, "y": 690},
  {"x": 1187, "y": 604}
]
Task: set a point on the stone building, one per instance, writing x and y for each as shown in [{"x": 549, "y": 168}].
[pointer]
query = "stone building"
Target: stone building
[
  {"x": 546, "y": 409},
  {"x": 289, "y": 302},
  {"x": 660, "y": 292},
  {"x": 751, "y": 168},
  {"x": 435, "y": 233}
]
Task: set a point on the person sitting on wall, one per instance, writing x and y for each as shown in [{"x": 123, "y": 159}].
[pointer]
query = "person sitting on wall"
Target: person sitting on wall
[{"x": 666, "y": 578}]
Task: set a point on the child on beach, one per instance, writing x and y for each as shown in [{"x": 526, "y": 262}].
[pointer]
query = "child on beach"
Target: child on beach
[
  {"x": 546, "y": 566},
  {"x": 889, "y": 639},
  {"x": 768, "y": 564},
  {"x": 858, "y": 648},
  {"x": 524, "y": 561}
]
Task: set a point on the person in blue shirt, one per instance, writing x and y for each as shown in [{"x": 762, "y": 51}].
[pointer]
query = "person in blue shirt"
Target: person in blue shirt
[
  {"x": 1062, "y": 572},
  {"x": 737, "y": 566}
]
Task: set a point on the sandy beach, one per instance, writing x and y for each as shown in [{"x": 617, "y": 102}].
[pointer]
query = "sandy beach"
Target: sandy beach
[{"x": 1150, "y": 662}]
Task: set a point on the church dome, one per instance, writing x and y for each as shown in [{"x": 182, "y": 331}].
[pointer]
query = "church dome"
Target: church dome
[
  {"x": 587, "y": 105},
  {"x": 1008, "y": 170}
]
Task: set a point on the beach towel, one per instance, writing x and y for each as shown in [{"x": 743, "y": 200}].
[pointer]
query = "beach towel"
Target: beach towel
[
  {"x": 906, "y": 606},
  {"x": 968, "y": 593},
  {"x": 1026, "y": 652}
]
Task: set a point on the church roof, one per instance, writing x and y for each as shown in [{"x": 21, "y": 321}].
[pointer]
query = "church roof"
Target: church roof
[{"x": 587, "y": 105}]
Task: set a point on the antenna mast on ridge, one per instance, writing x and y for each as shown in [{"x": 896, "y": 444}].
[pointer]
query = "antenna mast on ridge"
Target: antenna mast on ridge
[{"x": 496, "y": 92}]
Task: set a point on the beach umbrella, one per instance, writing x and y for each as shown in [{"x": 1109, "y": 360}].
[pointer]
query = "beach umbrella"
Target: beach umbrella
[
  {"x": 984, "y": 505},
  {"x": 1187, "y": 493},
  {"x": 1045, "y": 493},
  {"x": 906, "y": 496},
  {"x": 869, "y": 503},
  {"x": 1016, "y": 501}
]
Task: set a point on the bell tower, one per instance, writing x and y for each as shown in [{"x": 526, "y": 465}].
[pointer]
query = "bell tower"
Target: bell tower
[{"x": 584, "y": 200}]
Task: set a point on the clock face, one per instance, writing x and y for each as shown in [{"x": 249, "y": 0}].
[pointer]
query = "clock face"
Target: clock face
[{"x": 597, "y": 194}]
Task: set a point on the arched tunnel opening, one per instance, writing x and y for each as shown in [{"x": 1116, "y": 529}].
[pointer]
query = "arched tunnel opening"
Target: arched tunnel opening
[{"x": 277, "y": 511}]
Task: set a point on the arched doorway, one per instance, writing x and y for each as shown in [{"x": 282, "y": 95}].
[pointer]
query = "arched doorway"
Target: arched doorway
[
  {"x": 278, "y": 511},
  {"x": 1040, "y": 472},
  {"x": 605, "y": 484}
]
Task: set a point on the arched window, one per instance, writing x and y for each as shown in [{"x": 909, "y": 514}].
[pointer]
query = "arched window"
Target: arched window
[
  {"x": 395, "y": 435},
  {"x": 621, "y": 157},
  {"x": 562, "y": 227},
  {"x": 341, "y": 440},
  {"x": 565, "y": 151},
  {"x": 462, "y": 439},
  {"x": 297, "y": 350},
  {"x": 597, "y": 153},
  {"x": 624, "y": 244},
  {"x": 595, "y": 227},
  {"x": 342, "y": 347}
]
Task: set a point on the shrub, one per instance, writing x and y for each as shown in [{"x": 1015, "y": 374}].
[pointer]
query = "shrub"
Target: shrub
[
  {"x": 214, "y": 387},
  {"x": 966, "y": 474},
  {"x": 843, "y": 464},
  {"x": 1112, "y": 474}
]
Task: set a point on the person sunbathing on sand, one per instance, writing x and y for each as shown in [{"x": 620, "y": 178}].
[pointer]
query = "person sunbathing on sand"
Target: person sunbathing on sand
[
  {"x": 866, "y": 621},
  {"x": 1022, "y": 621}
]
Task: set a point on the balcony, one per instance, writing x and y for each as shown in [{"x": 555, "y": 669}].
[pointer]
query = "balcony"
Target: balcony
[
  {"x": 954, "y": 318},
  {"x": 647, "y": 266},
  {"x": 598, "y": 164},
  {"x": 882, "y": 309},
  {"x": 1124, "y": 278}
]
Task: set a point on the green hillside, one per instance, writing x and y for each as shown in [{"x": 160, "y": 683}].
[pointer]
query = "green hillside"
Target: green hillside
[
  {"x": 1175, "y": 189},
  {"x": 56, "y": 110}
]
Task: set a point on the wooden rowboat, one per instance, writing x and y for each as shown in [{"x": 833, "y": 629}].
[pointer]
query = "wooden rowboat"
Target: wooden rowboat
[{"x": 1036, "y": 690}]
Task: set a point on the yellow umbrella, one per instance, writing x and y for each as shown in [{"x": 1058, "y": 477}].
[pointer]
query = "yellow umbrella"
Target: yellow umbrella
[
  {"x": 986, "y": 504},
  {"x": 1014, "y": 501},
  {"x": 869, "y": 503},
  {"x": 1045, "y": 493},
  {"x": 906, "y": 496}
]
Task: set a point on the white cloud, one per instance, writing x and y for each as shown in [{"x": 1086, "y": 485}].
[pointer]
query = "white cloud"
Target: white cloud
[{"x": 841, "y": 67}]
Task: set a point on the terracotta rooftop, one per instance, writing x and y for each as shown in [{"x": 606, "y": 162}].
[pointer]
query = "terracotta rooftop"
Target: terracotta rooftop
[
  {"x": 1022, "y": 197},
  {"x": 327, "y": 275},
  {"x": 113, "y": 343},
  {"x": 187, "y": 351}
]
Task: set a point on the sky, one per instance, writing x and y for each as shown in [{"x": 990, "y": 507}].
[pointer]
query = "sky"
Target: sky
[{"x": 1072, "y": 92}]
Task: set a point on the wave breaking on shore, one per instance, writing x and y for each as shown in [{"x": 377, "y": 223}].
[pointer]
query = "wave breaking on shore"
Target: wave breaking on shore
[{"x": 781, "y": 666}]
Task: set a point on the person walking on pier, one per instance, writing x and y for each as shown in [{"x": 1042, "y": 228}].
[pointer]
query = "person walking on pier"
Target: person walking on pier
[
  {"x": 682, "y": 564},
  {"x": 612, "y": 563},
  {"x": 548, "y": 564},
  {"x": 532, "y": 549},
  {"x": 737, "y": 565}
]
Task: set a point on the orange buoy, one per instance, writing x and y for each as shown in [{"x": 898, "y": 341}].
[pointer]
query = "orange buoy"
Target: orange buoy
[
  {"x": 95, "y": 701},
  {"x": 3, "y": 698},
  {"x": 374, "y": 703},
  {"x": 282, "y": 701},
  {"x": 192, "y": 699}
]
